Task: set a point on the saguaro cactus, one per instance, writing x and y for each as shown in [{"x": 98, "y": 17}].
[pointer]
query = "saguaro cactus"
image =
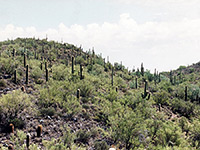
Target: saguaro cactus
[
  {"x": 46, "y": 65},
  {"x": 81, "y": 72},
  {"x": 171, "y": 77},
  {"x": 13, "y": 52},
  {"x": 112, "y": 76},
  {"x": 15, "y": 76},
  {"x": 47, "y": 74},
  {"x": 26, "y": 74},
  {"x": 116, "y": 89},
  {"x": 28, "y": 138},
  {"x": 24, "y": 60},
  {"x": 35, "y": 56},
  {"x": 136, "y": 83},
  {"x": 159, "y": 79},
  {"x": 142, "y": 69},
  {"x": 39, "y": 131},
  {"x": 104, "y": 63},
  {"x": 146, "y": 93},
  {"x": 72, "y": 65},
  {"x": 41, "y": 65},
  {"x": 186, "y": 95}
]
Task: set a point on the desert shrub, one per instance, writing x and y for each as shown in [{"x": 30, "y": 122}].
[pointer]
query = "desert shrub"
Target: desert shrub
[
  {"x": 112, "y": 96},
  {"x": 2, "y": 83},
  {"x": 168, "y": 134},
  {"x": 68, "y": 137},
  {"x": 71, "y": 105},
  {"x": 14, "y": 103},
  {"x": 86, "y": 88},
  {"x": 80, "y": 60},
  {"x": 185, "y": 108},
  {"x": 127, "y": 127},
  {"x": 54, "y": 144},
  {"x": 8, "y": 65},
  {"x": 60, "y": 72},
  {"x": 100, "y": 145},
  {"x": 165, "y": 85},
  {"x": 36, "y": 73},
  {"x": 161, "y": 97},
  {"x": 149, "y": 76},
  {"x": 50, "y": 111},
  {"x": 120, "y": 82},
  {"x": 19, "y": 141},
  {"x": 54, "y": 95},
  {"x": 195, "y": 133},
  {"x": 193, "y": 92},
  {"x": 83, "y": 136},
  {"x": 95, "y": 69},
  {"x": 132, "y": 84}
]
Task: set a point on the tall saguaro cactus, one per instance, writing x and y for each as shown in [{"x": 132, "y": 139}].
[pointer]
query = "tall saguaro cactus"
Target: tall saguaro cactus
[
  {"x": 28, "y": 138},
  {"x": 47, "y": 75},
  {"x": 72, "y": 65},
  {"x": 171, "y": 77},
  {"x": 26, "y": 74},
  {"x": 24, "y": 60},
  {"x": 186, "y": 95},
  {"x": 146, "y": 93},
  {"x": 13, "y": 52},
  {"x": 15, "y": 76},
  {"x": 81, "y": 72},
  {"x": 112, "y": 76},
  {"x": 136, "y": 83},
  {"x": 142, "y": 69}
]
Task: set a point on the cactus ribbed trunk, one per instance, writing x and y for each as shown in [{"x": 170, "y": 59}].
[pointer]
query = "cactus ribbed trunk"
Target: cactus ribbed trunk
[
  {"x": 72, "y": 65},
  {"x": 136, "y": 83},
  {"x": 41, "y": 65},
  {"x": 13, "y": 52},
  {"x": 112, "y": 76},
  {"x": 15, "y": 76},
  {"x": 24, "y": 60},
  {"x": 28, "y": 137},
  {"x": 186, "y": 95},
  {"x": 81, "y": 72},
  {"x": 26, "y": 74},
  {"x": 47, "y": 75},
  {"x": 142, "y": 69},
  {"x": 46, "y": 65}
]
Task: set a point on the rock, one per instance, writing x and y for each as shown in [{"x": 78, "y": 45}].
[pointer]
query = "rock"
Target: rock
[
  {"x": 41, "y": 121},
  {"x": 7, "y": 76},
  {"x": 6, "y": 89}
]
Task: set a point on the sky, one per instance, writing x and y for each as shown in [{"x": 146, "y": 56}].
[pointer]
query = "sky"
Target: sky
[{"x": 161, "y": 34}]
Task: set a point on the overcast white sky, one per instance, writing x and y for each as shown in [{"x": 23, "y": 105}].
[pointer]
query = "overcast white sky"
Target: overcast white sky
[{"x": 162, "y": 34}]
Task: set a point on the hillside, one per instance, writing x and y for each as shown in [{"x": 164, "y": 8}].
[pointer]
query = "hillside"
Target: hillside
[{"x": 58, "y": 96}]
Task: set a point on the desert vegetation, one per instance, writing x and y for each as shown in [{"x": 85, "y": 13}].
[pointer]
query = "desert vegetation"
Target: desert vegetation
[{"x": 56, "y": 96}]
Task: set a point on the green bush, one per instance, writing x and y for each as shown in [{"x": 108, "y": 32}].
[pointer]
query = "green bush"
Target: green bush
[
  {"x": 86, "y": 88},
  {"x": 83, "y": 136},
  {"x": 36, "y": 73},
  {"x": 60, "y": 72},
  {"x": 161, "y": 97},
  {"x": 13, "y": 103},
  {"x": 101, "y": 145},
  {"x": 2, "y": 83},
  {"x": 50, "y": 111}
]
